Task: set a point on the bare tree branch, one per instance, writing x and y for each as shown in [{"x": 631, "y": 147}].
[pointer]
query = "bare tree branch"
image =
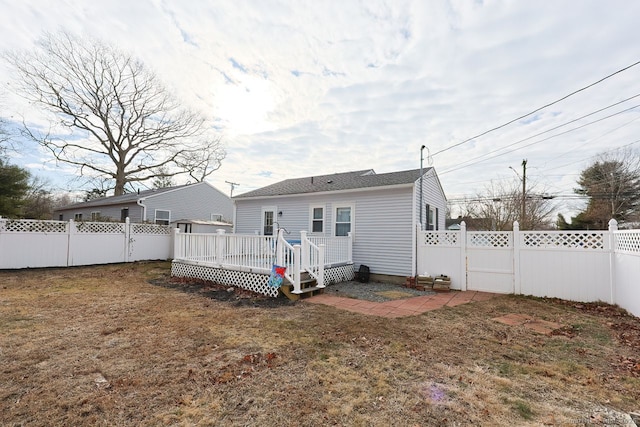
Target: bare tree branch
[{"x": 112, "y": 115}]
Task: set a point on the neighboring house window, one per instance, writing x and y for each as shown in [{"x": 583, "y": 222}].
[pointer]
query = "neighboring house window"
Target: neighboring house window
[
  {"x": 95, "y": 215},
  {"x": 77, "y": 217},
  {"x": 61, "y": 217},
  {"x": 317, "y": 219},
  {"x": 162, "y": 217},
  {"x": 184, "y": 227},
  {"x": 268, "y": 221},
  {"x": 343, "y": 220},
  {"x": 216, "y": 217},
  {"x": 124, "y": 214}
]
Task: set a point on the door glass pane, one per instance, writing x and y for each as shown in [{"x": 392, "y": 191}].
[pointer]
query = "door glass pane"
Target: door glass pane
[{"x": 268, "y": 223}]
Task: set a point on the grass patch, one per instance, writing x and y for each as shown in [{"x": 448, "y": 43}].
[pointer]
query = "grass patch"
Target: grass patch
[
  {"x": 523, "y": 409},
  {"x": 102, "y": 345}
]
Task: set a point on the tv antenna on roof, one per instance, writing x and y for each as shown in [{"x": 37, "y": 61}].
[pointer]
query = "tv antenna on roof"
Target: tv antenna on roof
[{"x": 233, "y": 185}]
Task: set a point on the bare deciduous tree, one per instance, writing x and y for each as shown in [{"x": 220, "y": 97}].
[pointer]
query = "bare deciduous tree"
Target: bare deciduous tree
[
  {"x": 500, "y": 205},
  {"x": 111, "y": 115}
]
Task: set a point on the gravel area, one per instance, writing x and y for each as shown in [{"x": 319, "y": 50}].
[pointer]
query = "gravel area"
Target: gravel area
[{"x": 373, "y": 291}]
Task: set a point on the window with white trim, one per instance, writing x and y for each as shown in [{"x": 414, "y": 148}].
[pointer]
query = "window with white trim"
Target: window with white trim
[
  {"x": 95, "y": 215},
  {"x": 77, "y": 217},
  {"x": 216, "y": 217},
  {"x": 343, "y": 220},
  {"x": 432, "y": 218},
  {"x": 162, "y": 217},
  {"x": 317, "y": 219}
]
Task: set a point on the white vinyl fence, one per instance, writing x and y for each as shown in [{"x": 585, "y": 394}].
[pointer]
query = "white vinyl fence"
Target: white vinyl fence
[
  {"x": 585, "y": 266},
  {"x": 32, "y": 243}
]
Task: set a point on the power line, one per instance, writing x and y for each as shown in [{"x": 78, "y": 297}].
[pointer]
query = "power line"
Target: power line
[
  {"x": 587, "y": 158},
  {"x": 471, "y": 162},
  {"x": 537, "y": 109},
  {"x": 558, "y": 127}
]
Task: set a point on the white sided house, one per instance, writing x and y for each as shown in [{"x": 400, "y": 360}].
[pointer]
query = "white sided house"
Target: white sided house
[
  {"x": 380, "y": 211},
  {"x": 165, "y": 206}
]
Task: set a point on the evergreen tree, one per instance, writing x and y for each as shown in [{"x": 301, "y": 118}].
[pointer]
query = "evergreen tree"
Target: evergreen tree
[{"x": 14, "y": 185}]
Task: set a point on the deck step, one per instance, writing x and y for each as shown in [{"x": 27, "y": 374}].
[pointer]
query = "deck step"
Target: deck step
[{"x": 307, "y": 288}]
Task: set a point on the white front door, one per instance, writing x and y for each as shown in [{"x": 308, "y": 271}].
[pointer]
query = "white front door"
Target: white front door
[{"x": 268, "y": 221}]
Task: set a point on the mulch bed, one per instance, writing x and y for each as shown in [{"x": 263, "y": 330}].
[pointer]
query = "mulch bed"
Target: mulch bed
[
  {"x": 371, "y": 291},
  {"x": 237, "y": 296}
]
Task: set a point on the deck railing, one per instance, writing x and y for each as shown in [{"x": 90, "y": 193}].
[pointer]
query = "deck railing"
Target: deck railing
[
  {"x": 221, "y": 249},
  {"x": 259, "y": 253},
  {"x": 338, "y": 249}
]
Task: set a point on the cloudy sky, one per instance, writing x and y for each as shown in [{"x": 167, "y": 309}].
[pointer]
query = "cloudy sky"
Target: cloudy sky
[{"x": 301, "y": 88}]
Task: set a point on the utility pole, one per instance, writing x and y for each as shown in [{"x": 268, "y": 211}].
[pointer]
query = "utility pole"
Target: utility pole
[
  {"x": 523, "y": 207},
  {"x": 524, "y": 193},
  {"x": 233, "y": 185}
]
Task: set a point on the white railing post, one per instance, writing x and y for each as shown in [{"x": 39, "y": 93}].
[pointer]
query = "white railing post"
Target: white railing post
[
  {"x": 613, "y": 227},
  {"x": 177, "y": 252},
  {"x": 127, "y": 240},
  {"x": 296, "y": 270},
  {"x": 517, "y": 279},
  {"x": 463, "y": 256},
  {"x": 305, "y": 264},
  {"x": 350, "y": 247},
  {"x": 280, "y": 247},
  {"x": 70, "y": 242},
  {"x": 320, "y": 278},
  {"x": 220, "y": 246}
]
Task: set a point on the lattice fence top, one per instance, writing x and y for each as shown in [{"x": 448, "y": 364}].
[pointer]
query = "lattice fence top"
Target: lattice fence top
[
  {"x": 628, "y": 241},
  {"x": 150, "y": 229},
  {"x": 443, "y": 238},
  {"x": 32, "y": 226},
  {"x": 492, "y": 239},
  {"x": 99, "y": 227},
  {"x": 581, "y": 240}
]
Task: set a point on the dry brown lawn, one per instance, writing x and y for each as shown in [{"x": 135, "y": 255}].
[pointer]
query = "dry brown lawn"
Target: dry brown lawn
[{"x": 104, "y": 346}]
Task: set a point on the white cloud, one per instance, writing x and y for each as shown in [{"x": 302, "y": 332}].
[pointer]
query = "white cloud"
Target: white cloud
[{"x": 301, "y": 88}]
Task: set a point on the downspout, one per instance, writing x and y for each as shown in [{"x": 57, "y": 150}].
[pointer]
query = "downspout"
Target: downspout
[
  {"x": 415, "y": 228},
  {"x": 140, "y": 203},
  {"x": 421, "y": 159}
]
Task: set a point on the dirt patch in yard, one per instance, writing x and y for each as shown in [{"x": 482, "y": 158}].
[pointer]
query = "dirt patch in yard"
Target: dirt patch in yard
[
  {"x": 104, "y": 346},
  {"x": 237, "y": 296}
]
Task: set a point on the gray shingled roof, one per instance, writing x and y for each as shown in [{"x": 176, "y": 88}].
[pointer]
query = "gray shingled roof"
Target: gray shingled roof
[
  {"x": 335, "y": 182},
  {"x": 117, "y": 200}
]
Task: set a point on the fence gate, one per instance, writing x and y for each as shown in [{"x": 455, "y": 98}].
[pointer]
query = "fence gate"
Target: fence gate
[{"x": 490, "y": 261}]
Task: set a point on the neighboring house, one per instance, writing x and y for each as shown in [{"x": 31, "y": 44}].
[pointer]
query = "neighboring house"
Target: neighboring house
[
  {"x": 200, "y": 201},
  {"x": 381, "y": 211}
]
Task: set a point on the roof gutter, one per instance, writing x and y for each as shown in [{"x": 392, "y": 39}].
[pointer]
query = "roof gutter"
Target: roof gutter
[{"x": 314, "y": 193}]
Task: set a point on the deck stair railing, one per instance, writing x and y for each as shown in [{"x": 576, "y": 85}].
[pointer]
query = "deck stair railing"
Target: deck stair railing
[
  {"x": 313, "y": 259},
  {"x": 288, "y": 255}
]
